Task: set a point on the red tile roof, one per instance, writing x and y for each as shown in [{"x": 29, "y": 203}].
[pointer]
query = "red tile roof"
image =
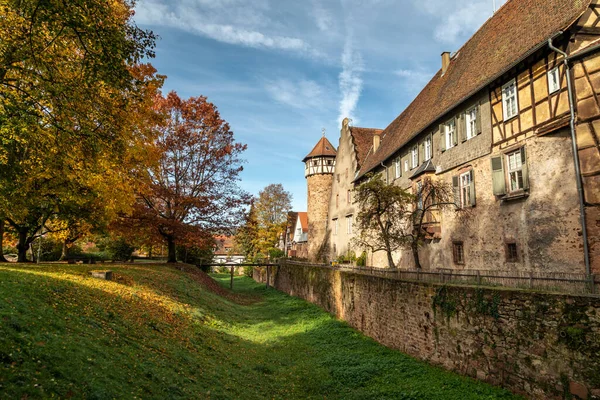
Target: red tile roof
[
  {"x": 303, "y": 220},
  {"x": 363, "y": 141},
  {"x": 511, "y": 34},
  {"x": 322, "y": 148}
]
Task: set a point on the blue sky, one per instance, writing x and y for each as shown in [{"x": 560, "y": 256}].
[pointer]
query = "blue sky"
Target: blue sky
[{"x": 281, "y": 70}]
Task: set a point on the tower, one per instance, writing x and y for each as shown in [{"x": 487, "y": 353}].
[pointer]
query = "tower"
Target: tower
[{"x": 319, "y": 166}]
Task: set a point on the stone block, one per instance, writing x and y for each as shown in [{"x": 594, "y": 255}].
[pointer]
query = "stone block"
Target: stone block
[{"x": 106, "y": 275}]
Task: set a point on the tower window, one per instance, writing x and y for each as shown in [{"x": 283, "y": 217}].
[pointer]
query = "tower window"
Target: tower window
[
  {"x": 512, "y": 254},
  {"x": 458, "y": 253}
]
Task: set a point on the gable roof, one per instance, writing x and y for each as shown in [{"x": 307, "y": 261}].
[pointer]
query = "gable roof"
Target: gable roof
[
  {"x": 303, "y": 217},
  {"x": 322, "y": 148},
  {"x": 514, "y": 32},
  {"x": 363, "y": 142}
]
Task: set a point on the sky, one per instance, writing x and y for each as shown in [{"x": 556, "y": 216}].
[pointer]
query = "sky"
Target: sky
[{"x": 281, "y": 71}]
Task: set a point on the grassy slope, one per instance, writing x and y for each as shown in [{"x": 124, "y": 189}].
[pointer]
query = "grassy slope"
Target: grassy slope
[{"x": 157, "y": 333}]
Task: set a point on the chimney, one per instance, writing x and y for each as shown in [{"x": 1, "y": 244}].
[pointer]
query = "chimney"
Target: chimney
[
  {"x": 445, "y": 61},
  {"x": 376, "y": 141}
]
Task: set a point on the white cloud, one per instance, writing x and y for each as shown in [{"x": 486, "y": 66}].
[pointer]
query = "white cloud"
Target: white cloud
[
  {"x": 350, "y": 81},
  {"x": 229, "y": 21},
  {"x": 323, "y": 18},
  {"x": 458, "y": 18},
  {"x": 302, "y": 94}
]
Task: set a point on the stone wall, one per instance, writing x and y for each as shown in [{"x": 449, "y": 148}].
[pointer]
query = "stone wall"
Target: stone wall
[{"x": 546, "y": 346}]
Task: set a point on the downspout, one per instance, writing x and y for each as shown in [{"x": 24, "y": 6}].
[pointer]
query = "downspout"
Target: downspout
[{"x": 586, "y": 253}]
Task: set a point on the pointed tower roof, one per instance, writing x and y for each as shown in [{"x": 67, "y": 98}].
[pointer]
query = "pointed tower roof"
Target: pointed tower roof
[{"x": 322, "y": 148}]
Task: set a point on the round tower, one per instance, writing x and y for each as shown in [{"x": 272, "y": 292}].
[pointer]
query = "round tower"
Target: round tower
[{"x": 319, "y": 167}]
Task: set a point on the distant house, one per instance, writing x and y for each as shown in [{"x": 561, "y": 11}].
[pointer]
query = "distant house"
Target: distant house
[
  {"x": 227, "y": 251},
  {"x": 298, "y": 246}
]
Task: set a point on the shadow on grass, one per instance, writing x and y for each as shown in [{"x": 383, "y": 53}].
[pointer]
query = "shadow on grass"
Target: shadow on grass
[{"x": 66, "y": 338}]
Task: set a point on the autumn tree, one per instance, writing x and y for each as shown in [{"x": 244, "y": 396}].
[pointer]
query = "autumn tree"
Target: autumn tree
[
  {"x": 382, "y": 220},
  {"x": 70, "y": 92},
  {"x": 272, "y": 206},
  {"x": 247, "y": 234},
  {"x": 193, "y": 190}
]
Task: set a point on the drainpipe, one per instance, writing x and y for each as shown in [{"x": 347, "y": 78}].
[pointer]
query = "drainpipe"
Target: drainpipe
[{"x": 586, "y": 253}]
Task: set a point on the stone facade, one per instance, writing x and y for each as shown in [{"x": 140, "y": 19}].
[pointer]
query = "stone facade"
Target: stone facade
[
  {"x": 532, "y": 223},
  {"x": 319, "y": 192},
  {"x": 546, "y": 346}
]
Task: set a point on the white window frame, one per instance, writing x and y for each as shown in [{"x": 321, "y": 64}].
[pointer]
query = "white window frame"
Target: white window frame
[
  {"x": 510, "y": 101},
  {"x": 471, "y": 122},
  {"x": 450, "y": 131},
  {"x": 514, "y": 170},
  {"x": 335, "y": 226},
  {"x": 464, "y": 186},
  {"x": 406, "y": 167},
  {"x": 349, "y": 224},
  {"x": 398, "y": 168},
  {"x": 553, "y": 80},
  {"x": 414, "y": 156},
  {"x": 427, "y": 146}
]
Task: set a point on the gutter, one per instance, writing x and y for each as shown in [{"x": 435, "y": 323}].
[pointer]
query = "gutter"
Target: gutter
[{"x": 586, "y": 253}]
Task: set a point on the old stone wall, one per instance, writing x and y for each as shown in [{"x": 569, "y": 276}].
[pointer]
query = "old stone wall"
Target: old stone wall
[{"x": 546, "y": 346}]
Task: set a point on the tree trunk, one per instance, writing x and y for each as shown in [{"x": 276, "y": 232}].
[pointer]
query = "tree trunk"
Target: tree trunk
[
  {"x": 172, "y": 249},
  {"x": 2, "y": 259},
  {"x": 65, "y": 251},
  {"x": 22, "y": 246},
  {"x": 389, "y": 256},
  {"x": 415, "y": 251}
]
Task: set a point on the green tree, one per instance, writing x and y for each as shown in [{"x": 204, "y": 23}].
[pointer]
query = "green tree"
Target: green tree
[
  {"x": 390, "y": 218},
  {"x": 381, "y": 222},
  {"x": 73, "y": 108},
  {"x": 272, "y": 206}
]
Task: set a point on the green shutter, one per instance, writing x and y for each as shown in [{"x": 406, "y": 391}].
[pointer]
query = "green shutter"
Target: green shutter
[
  {"x": 461, "y": 127},
  {"x": 455, "y": 136},
  {"x": 472, "y": 188},
  {"x": 478, "y": 122},
  {"x": 456, "y": 191},
  {"x": 524, "y": 168},
  {"x": 498, "y": 180},
  {"x": 442, "y": 138}
]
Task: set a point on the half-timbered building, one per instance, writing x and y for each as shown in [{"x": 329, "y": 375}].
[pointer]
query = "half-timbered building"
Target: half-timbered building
[{"x": 512, "y": 122}]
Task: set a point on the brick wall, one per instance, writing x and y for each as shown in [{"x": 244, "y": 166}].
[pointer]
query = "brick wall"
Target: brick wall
[{"x": 543, "y": 345}]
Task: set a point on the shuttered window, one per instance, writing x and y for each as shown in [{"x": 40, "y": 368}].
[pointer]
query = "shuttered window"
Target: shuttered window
[
  {"x": 451, "y": 134},
  {"x": 398, "y": 167},
  {"x": 415, "y": 157},
  {"x": 427, "y": 146},
  {"x": 553, "y": 80},
  {"x": 509, "y": 173},
  {"x": 471, "y": 121},
  {"x": 463, "y": 186}
]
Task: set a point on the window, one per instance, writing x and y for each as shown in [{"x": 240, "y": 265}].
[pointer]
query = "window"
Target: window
[
  {"x": 315, "y": 163},
  {"x": 458, "y": 253},
  {"x": 349, "y": 224},
  {"x": 398, "y": 168},
  {"x": 348, "y": 197},
  {"x": 337, "y": 200},
  {"x": 510, "y": 107},
  {"x": 471, "y": 122},
  {"x": 515, "y": 171},
  {"x": 509, "y": 173},
  {"x": 553, "y": 80},
  {"x": 329, "y": 162},
  {"x": 512, "y": 254},
  {"x": 414, "y": 157},
  {"x": 428, "y": 148},
  {"x": 406, "y": 165},
  {"x": 464, "y": 189},
  {"x": 450, "y": 134},
  {"x": 335, "y": 226}
]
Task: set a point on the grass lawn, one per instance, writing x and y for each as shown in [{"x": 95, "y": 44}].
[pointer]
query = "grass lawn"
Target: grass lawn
[{"x": 159, "y": 332}]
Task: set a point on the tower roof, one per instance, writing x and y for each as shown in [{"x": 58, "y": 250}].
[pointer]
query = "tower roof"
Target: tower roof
[{"x": 322, "y": 148}]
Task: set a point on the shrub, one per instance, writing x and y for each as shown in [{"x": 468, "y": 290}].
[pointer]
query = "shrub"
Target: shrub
[
  {"x": 248, "y": 271},
  {"x": 275, "y": 253},
  {"x": 195, "y": 254},
  {"x": 119, "y": 249},
  {"x": 361, "y": 260}
]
